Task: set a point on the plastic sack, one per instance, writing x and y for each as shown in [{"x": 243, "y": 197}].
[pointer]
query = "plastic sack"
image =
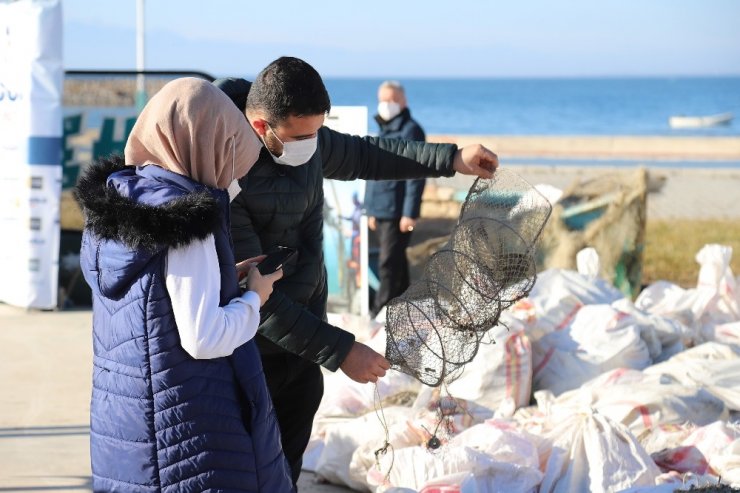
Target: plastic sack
[
  {"x": 500, "y": 459},
  {"x": 500, "y": 371},
  {"x": 664, "y": 436},
  {"x": 342, "y": 439},
  {"x": 728, "y": 333},
  {"x": 598, "y": 339},
  {"x": 670, "y": 482},
  {"x": 714, "y": 301},
  {"x": 712, "y": 449},
  {"x": 558, "y": 295},
  {"x": 713, "y": 366},
  {"x": 716, "y": 276},
  {"x": 589, "y": 452},
  {"x": 637, "y": 401},
  {"x": 462, "y": 482},
  {"x": 664, "y": 336},
  {"x": 345, "y": 397},
  {"x": 588, "y": 263}
]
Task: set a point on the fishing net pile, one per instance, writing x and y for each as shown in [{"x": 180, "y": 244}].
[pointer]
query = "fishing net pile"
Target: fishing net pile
[{"x": 435, "y": 327}]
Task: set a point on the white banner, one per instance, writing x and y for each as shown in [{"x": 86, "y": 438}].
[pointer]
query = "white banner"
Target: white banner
[
  {"x": 345, "y": 228},
  {"x": 31, "y": 75}
]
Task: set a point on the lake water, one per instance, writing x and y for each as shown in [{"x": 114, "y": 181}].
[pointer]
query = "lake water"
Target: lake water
[
  {"x": 554, "y": 106},
  {"x": 541, "y": 107}
]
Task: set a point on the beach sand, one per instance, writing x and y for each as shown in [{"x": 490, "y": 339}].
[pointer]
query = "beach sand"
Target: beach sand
[{"x": 676, "y": 192}]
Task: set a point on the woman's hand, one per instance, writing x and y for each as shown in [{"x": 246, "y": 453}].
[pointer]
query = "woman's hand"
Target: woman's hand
[
  {"x": 262, "y": 285},
  {"x": 243, "y": 267}
]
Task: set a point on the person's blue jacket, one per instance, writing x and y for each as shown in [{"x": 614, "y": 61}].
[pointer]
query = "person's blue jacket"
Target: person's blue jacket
[
  {"x": 401, "y": 198},
  {"x": 159, "y": 419}
]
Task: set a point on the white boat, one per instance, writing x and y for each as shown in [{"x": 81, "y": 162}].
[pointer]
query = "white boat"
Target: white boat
[{"x": 682, "y": 121}]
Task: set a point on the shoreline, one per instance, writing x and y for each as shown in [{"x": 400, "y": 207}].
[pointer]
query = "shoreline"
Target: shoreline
[
  {"x": 676, "y": 192},
  {"x": 673, "y": 193},
  {"x": 598, "y": 147}
]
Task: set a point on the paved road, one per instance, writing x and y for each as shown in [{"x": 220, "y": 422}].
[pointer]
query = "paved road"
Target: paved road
[{"x": 45, "y": 368}]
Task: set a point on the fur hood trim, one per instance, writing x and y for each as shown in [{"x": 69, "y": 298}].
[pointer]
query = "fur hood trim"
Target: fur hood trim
[{"x": 111, "y": 216}]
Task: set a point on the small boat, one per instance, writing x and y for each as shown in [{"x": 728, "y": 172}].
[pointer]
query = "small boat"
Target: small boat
[{"x": 682, "y": 121}]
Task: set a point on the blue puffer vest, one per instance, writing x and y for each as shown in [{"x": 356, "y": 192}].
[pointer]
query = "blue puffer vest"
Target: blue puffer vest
[{"x": 159, "y": 419}]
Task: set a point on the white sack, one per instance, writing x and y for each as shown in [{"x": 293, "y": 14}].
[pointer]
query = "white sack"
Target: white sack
[
  {"x": 712, "y": 365},
  {"x": 590, "y": 453},
  {"x": 558, "y": 294},
  {"x": 499, "y": 371},
  {"x": 341, "y": 440},
  {"x": 637, "y": 401},
  {"x": 502, "y": 460},
  {"x": 598, "y": 339},
  {"x": 714, "y": 301}
]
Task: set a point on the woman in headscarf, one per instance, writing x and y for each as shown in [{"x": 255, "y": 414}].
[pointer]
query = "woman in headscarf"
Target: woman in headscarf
[{"x": 179, "y": 401}]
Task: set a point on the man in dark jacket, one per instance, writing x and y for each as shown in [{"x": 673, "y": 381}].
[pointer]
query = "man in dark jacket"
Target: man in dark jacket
[
  {"x": 281, "y": 203},
  {"x": 392, "y": 206}
]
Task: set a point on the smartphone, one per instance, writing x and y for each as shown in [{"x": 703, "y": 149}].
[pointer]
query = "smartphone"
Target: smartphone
[
  {"x": 272, "y": 262},
  {"x": 276, "y": 259}
]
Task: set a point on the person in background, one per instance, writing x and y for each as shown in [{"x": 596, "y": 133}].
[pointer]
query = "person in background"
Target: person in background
[
  {"x": 393, "y": 207},
  {"x": 281, "y": 203},
  {"x": 179, "y": 400}
]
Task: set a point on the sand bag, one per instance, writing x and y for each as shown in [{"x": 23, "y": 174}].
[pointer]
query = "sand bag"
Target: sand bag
[
  {"x": 500, "y": 371},
  {"x": 589, "y": 452},
  {"x": 712, "y": 449},
  {"x": 637, "y": 400},
  {"x": 598, "y": 339},
  {"x": 341, "y": 440},
  {"x": 714, "y": 301},
  {"x": 716, "y": 276},
  {"x": 500, "y": 459},
  {"x": 558, "y": 294},
  {"x": 712, "y": 366},
  {"x": 725, "y": 333},
  {"x": 664, "y": 336},
  {"x": 345, "y": 397}
]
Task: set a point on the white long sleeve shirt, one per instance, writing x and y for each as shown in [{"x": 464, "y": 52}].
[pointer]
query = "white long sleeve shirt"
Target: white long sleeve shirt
[{"x": 193, "y": 281}]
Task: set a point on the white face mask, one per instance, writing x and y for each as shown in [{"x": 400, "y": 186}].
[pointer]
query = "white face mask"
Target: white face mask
[
  {"x": 388, "y": 110},
  {"x": 234, "y": 187},
  {"x": 233, "y": 190},
  {"x": 295, "y": 153}
]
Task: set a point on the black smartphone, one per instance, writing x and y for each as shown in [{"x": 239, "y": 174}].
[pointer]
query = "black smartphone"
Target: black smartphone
[
  {"x": 276, "y": 259},
  {"x": 272, "y": 262}
]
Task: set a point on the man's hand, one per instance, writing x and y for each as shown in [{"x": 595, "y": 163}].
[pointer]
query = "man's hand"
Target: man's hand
[
  {"x": 406, "y": 224},
  {"x": 371, "y": 224},
  {"x": 475, "y": 160},
  {"x": 364, "y": 365}
]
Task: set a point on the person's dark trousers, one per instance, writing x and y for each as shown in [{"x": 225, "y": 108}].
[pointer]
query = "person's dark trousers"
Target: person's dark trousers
[
  {"x": 393, "y": 266},
  {"x": 296, "y": 386}
]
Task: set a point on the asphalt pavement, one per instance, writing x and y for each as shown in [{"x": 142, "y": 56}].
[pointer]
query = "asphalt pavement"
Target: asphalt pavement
[{"x": 46, "y": 376}]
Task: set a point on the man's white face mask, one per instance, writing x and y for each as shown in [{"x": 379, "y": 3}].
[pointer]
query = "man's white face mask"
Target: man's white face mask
[
  {"x": 234, "y": 187},
  {"x": 295, "y": 153},
  {"x": 388, "y": 110}
]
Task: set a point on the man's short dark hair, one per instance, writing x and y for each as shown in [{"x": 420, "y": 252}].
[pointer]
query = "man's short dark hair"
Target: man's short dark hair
[{"x": 288, "y": 87}]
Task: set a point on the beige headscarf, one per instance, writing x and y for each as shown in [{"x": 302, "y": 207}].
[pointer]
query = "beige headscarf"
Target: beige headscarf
[{"x": 192, "y": 128}]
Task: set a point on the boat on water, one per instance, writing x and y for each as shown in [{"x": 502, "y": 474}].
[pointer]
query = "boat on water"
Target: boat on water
[{"x": 681, "y": 121}]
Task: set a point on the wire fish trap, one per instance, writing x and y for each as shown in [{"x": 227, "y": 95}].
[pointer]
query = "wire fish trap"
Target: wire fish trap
[{"x": 435, "y": 327}]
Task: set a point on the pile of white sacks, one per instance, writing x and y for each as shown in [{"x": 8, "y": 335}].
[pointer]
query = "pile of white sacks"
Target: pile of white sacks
[{"x": 630, "y": 397}]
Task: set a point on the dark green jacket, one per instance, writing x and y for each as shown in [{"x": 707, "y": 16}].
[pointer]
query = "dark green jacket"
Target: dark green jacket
[{"x": 283, "y": 205}]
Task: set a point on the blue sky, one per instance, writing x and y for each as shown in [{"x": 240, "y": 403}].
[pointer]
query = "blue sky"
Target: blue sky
[{"x": 414, "y": 38}]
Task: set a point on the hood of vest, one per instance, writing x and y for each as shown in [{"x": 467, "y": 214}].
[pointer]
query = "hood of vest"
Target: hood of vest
[{"x": 135, "y": 213}]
